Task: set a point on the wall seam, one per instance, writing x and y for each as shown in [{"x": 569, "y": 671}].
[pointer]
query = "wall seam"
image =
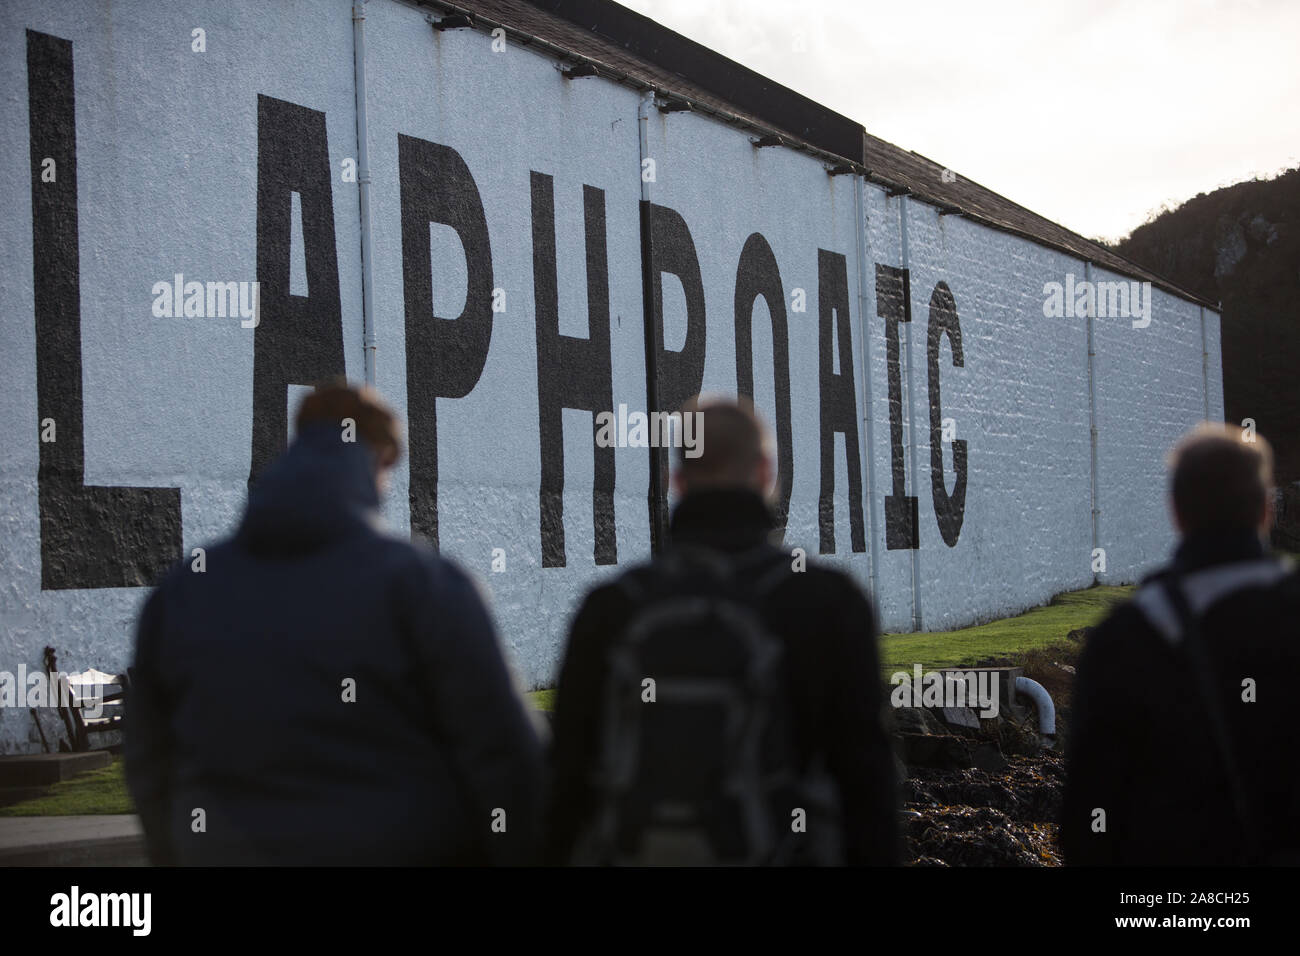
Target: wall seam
[
  {"x": 1094, "y": 494},
  {"x": 1205, "y": 366},
  {"x": 917, "y": 618},
  {"x": 657, "y": 493},
  {"x": 868, "y": 438},
  {"x": 369, "y": 340}
]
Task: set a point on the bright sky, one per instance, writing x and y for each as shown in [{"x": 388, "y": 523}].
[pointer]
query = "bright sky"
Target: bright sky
[{"x": 1092, "y": 113}]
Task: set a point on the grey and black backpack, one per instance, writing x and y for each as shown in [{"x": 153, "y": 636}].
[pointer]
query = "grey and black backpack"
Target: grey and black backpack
[{"x": 697, "y": 765}]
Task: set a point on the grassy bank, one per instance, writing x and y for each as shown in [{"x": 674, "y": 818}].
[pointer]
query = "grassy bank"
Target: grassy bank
[{"x": 1035, "y": 629}]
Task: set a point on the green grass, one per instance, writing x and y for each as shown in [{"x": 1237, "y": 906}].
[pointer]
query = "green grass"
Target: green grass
[
  {"x": 104, "y": 791},
  {"x": 99, "y": 791},
  {"x": 543, "y": 700},
  {"x": 1036, "y": 628}
]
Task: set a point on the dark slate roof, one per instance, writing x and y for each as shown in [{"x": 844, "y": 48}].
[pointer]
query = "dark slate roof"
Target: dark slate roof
[{"x": 629, "y": 48}]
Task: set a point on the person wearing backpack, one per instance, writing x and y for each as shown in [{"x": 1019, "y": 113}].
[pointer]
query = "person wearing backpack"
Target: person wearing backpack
[
  {"x": 722, "y": 704},
  {"x": 1184, "y": 736}
]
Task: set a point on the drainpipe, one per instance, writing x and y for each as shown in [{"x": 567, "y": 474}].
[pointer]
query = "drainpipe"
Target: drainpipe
[
  {"x": 658, "y": 456},
  {"x": 1205, "y": 366},
  {"x": 369, "y": 341},
  {"x": 1043, "y": 704},
  {"x": 1092, "y": 426},
  {"x": 906, "y": 345},
  {"x": 868, "y": 485}
]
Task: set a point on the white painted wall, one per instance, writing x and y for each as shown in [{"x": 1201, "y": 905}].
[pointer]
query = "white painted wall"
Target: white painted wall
[{"x": 167, "y": 169}]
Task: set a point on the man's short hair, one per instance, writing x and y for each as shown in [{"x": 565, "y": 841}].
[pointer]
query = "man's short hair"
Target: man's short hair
[
  {"x": 732, "y": 441},
  {"x": 1221, "y": 477},
  {"x": 377, "y": 425}
]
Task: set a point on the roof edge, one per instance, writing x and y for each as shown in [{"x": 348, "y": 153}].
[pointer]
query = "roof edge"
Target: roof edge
[
  {"x": 752, "y": 92},
  {"x": 618, "y": 25}
]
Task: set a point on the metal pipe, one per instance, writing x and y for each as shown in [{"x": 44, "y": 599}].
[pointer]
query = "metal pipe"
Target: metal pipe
[
  {"x": 868, "y": 486},
  {"x": 369, "y": 340},
  {"x": 1042, "y": 704},
  {"x": 658, "y": 492},
  {"x": 917, "y": 619},
  {"x": 643, "y": 110},
  {"x": 1205, "y": 366},
  {"x": 1092, "y": 427}
]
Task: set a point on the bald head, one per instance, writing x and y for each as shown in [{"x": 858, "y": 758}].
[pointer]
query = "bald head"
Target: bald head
[
  {"x": 1221, "y": 479},
  {"x": 732, "y": 450}
]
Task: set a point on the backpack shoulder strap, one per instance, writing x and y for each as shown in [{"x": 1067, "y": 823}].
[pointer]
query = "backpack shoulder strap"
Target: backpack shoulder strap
[{"x": 1194, "y": 647}]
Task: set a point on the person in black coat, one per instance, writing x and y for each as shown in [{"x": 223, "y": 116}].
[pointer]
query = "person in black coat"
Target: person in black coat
[
  {"x": 825, "y": 623},
  {"x": 1183, "y": 740},
  {"x": 320, "y": 692}
]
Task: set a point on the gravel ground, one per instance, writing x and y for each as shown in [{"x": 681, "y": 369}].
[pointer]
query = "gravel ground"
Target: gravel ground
[{"x": 981, "y": 818}]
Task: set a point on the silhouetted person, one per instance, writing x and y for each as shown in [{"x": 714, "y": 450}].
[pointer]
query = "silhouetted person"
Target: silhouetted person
[
  {"x": 321, "y": 692},
  {"x": 1184, "y": 734},
  {"x": 723, "y": 703}
]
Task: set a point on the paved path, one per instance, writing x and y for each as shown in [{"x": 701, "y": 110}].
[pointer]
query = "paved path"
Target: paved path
[{"x": 99, "y": 840}]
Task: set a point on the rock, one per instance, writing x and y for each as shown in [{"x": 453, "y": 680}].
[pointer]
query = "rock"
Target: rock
[
  {"x": 1262, "y": 231},
  {"x": 960, "y": 717},
  {"x": 917, "y": 720},
  {"x": 937, "y": 751},
  {"x": 989, "y": 758},
  {"x": 1019, "y": 740},
  {"x": 1229, "y": 250}
]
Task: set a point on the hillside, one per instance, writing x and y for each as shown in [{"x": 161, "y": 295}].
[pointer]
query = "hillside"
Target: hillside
[{"x": 1240, "y": 245}]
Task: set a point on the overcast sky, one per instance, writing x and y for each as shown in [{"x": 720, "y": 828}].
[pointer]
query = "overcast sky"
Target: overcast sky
[{"x": 1090, "y": 112}]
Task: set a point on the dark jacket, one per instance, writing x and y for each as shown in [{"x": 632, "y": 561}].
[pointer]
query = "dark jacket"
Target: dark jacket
[
  {"x": 238, "y": 702},
  {"x": 1142, "y": 739},
  {"x": 832, "y": 668}
]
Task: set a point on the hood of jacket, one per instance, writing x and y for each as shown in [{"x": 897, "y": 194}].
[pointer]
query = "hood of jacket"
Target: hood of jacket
[{"x": 320, "y": 491}]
